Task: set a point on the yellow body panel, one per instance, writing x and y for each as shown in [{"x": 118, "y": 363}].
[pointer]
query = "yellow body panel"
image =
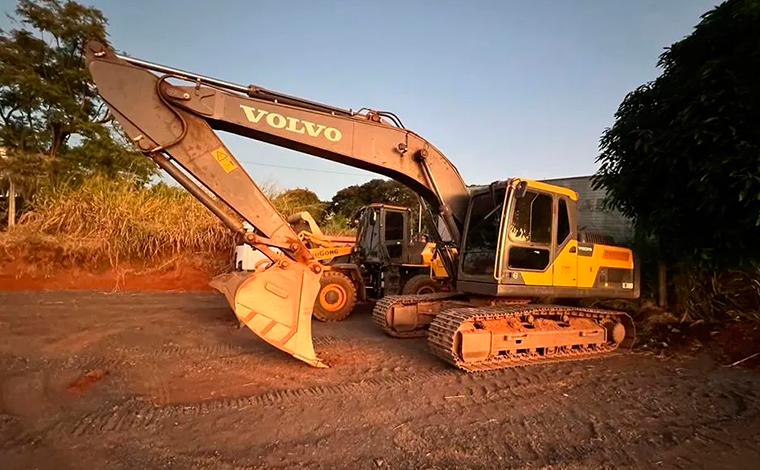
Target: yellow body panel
[
  {"x": 436, "y": 266},
  {"x": 565, "y": 266},
  {"x": 574, "y": 270},
  {"x": 535, "y": 278},
  {"x": 321, "y": 254},
  {"x": 603, "y": 256}
]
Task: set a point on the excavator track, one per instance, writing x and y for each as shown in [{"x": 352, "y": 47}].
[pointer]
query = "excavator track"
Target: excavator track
[
  {"x": 385, "y": 304},
  {"x": 445, "y": 329}
]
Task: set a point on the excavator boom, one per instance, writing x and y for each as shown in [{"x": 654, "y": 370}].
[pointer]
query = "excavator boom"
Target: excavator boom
[{"x": 174, "y": 125}]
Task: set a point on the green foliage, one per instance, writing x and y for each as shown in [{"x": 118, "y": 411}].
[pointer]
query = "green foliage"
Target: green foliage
[
  {"x": 296, "y": 200},
  {"x": 682, "y": 156},
  {"x": 337, "y": 224},
  {"x": 49, "y": 108},
  {"x": 299, "y": 200},
  {"x": 349, "y": 200}
]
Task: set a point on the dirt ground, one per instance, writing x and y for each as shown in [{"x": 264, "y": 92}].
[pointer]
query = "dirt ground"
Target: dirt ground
[
  {"x": 41, "y": 276},
  {"x": 167, "y": 380}
]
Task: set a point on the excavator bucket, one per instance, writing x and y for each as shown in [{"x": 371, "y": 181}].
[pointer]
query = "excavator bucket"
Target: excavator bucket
[{"x": 276, "y": 303}]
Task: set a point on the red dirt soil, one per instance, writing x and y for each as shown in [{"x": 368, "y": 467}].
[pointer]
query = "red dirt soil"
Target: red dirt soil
[
  {"x": 168, "y": 381},
  {"x": 728, "y": 341},
  {"x": 15, "y": 277},
  {"x": 84, "y": 382}
]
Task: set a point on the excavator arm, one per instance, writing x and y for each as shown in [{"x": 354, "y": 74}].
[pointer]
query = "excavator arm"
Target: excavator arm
[{"x": 174, "y": 124}]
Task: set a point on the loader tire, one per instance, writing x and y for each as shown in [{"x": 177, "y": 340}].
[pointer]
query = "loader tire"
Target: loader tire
[
  {"x": 336, "y": 298},
  {"x": 420, "y": 284}
]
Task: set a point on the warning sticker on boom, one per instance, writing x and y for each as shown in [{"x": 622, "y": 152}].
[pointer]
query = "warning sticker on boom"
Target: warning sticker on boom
[{"x": 224, "y": 159}]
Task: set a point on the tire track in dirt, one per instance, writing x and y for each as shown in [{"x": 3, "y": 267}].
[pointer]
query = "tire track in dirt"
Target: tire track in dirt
[
  {"x": 532, "y": 423},
  {"x": 161, "y": 391},
  {"x": 217, "y": 350},
  {"x": 533, "y": 386},
  {"x": 223, "y": 349},
  {"x": 533, "y": 435},
  {"x": 138, "y": 413},
  {"x": 112, "y": 359},
  {"x": 141, "y": 413},
  {"x": 677, "y": 419},
  {"x": 503, "y": 388}
]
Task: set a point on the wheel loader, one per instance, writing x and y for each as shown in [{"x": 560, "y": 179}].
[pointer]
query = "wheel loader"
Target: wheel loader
[
  {"x": 393, "y": 259},
  {"x": 517, "y": 262},
  {"x": 384, "y": 258}
]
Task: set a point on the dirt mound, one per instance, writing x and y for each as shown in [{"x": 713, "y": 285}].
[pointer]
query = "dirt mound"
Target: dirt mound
[{"x": 728, "y": 341}]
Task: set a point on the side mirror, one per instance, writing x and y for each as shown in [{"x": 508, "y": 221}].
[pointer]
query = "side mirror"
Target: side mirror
[{"x": 521, "y": 188}]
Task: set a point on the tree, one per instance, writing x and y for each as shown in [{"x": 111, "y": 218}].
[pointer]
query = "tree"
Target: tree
[
  {"x": 350, "y": 199},
  {"x": 54, "y": 124},
  {"x": 683, "y": 156},
  {"x": 298, "y": 200}
]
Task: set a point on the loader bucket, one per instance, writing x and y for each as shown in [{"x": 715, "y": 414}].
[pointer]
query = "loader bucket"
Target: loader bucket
[{"x": 276, "y": 303}]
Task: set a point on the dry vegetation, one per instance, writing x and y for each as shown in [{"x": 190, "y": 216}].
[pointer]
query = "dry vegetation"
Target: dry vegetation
[
  {"x": 108, "y": 222},
  {"x": 728, "y": 294}
]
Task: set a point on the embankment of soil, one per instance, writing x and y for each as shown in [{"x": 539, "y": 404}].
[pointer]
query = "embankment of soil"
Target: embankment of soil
[
  {"x": 125, "y": 277},
  {"x": 733, "y": 342}
]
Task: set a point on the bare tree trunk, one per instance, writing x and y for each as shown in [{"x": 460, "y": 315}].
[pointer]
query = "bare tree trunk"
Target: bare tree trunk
[
  {"x": 662, "y": 285},
  {"x": 11, "y": 204}
]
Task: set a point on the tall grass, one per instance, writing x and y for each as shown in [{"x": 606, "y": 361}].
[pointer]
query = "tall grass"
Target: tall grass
[
  {"x": 106, "y": 220},
  {"x": 703, "y": 294}
]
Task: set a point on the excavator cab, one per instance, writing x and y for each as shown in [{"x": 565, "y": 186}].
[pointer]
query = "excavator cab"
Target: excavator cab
[{"x": 521, "y": 240}]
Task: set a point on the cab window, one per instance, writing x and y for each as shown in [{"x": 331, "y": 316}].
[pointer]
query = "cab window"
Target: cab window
[
  {"x": 532, "y": 219},
  {"x": 394, "y": 225},
  {"x": 483, "y": 233},
  {"x": 531, "y": 225},
  {"x": 563, "y": 223}
]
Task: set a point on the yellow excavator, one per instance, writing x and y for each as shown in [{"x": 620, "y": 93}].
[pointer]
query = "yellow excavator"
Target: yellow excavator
[{"x": 516, "y": 259}]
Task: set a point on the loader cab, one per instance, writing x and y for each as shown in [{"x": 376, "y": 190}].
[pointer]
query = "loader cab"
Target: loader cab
[
  {"x": 521, "y": 240},
  {"x": 383, "y": 234}
]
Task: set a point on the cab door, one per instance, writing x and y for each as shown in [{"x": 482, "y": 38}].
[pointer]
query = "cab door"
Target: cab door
[
  {"x": 530, "y": 246},
  {"x": 395, "y": 235},
  {"x": 566, "y": 247}
]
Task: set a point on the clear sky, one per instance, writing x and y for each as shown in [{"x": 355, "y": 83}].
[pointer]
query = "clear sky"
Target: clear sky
[{"x": 504, "y": 88}]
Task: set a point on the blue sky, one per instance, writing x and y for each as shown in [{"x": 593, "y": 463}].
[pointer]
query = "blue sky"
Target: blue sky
[{"x": 504, "y": 88}]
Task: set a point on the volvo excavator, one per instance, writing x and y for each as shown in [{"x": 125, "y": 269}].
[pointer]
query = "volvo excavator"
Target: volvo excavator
[{"x": 517, "y": 262}]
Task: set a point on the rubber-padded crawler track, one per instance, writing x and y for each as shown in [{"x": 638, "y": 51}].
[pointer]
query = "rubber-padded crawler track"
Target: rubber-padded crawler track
[
  {"x": 443, "y": 329},
  {"x": 384, "y": 305}
]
